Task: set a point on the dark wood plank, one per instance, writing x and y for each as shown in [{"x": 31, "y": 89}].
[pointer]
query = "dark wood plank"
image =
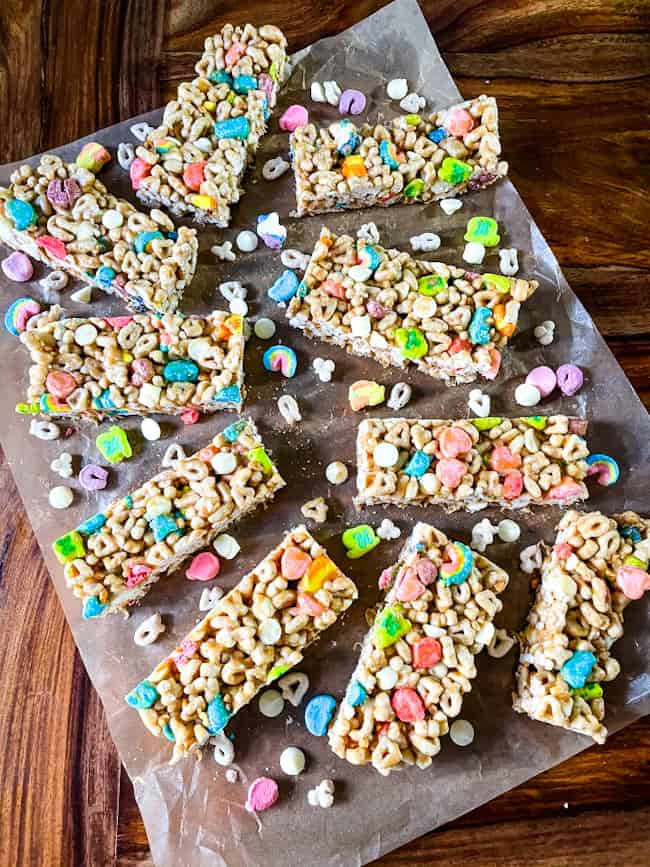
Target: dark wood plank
[{"x": 572, "y": 81}]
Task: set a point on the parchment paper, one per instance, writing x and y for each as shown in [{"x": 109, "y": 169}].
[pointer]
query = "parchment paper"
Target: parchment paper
[{"x": 192, "y": 815}]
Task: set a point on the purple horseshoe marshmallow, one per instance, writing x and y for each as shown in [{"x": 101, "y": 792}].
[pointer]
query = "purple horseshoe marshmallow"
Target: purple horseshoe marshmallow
[{"x": 352, "y": 102}]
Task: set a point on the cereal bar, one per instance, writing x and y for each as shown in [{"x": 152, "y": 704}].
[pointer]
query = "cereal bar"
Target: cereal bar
[
  {"x": 113, "y": 558},
  {"x": 417, "y": 661},
  {"x": 194, "y": 161},
  {"x": 472, "y": 463},
  {"x": 411, "y": 159},
  {"x": 62, "y": 215},
  {"x": 586, "y": 580},
  {"x": 99, "y": 366},
  {"x": 254, "y": 634},
  {"x": 450, "y": 323}
]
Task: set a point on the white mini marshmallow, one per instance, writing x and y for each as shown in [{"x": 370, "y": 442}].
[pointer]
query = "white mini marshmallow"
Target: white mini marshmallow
[
  {"x": 397, "y": 88},
  {"x": 369, "y": 233}
]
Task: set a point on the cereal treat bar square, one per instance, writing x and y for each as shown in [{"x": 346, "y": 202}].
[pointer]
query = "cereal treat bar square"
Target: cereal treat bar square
[
  {"x": 417, "y": 661},
  {"x": 596, "y": 566},
  {"x": 134, "y": 365},
  {"x": 62, "y": 215},
  {"x": 113, "y": 558},
  {"x": 450, "y": 323},
  {"x": 254, "y": 634},
  {"x": 193, "y": 163},
  {"x": 472, "y": 463},
  {"x": 411, "y": 159}
]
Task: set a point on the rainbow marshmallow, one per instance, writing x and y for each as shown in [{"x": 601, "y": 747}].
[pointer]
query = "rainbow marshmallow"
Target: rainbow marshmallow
[
  {"x": 604, "y": 468},
  {"x": 459, "y": 567},
  {"x": 19, "y": 313},
  {"x": 369, "y": 257},
  {"x": 281, "y": 358}
]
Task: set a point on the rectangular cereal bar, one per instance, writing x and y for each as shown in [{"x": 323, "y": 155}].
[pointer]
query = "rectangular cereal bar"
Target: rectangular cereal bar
[
  {"x": 417, "y": 661},
  {"x": 586, "y": 580},
  {"x": 472, "y": 463},
  {"x": 98, "y": 366},
  {"x": 411, "y": 159},
  {"x": 253, "y": 635},
  {"x": 113, "y": 557},
  {"x": 450, "y": 323},
  {"x": 62, "y": 215},
  {"x": 193, "y": 163}
]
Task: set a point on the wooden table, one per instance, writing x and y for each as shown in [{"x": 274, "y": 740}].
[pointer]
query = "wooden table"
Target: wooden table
[{"x": 572, "y": 83}]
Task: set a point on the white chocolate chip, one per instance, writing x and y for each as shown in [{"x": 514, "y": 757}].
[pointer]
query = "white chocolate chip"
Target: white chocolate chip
[
  {"x": 269, "y": 631},
  {"x": 336, "y": 473},
  {"x": 461, "y": 732},
  {"x": 527, "y": 394},
  {"x": 292, "y": 761},
  {"x": 386, "y": 678},
  {"x": 397, "y": 88},
  {"x": 474, "y": 252},
  {"x": 224, "y": 463},
  {"x": 450, "y": 206},
  {"x": 264, "y": 328},
  {"x": 83, "y": 295},
  {"x": 85, "y": 334},
  {"x": 509, "y": 531},
  {"x": 226, "y": 546},
  {"x": 61, "y": 497},
  {"x": 271, "y": 703},
  {"x": 247, "y": 241},
  {"x": 150, "y": 429},
  {"x": 385, "y": 455},
  {"x": 149, "y": 630}
]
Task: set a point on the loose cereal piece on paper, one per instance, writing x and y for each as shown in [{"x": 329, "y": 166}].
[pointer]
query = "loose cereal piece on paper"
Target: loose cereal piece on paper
[
  {"x": 472, "y": 463},
  {"x": 450, "y": 323},
  {"x": 111, "y": 559},
  {"x": 412, "y": 159},
  {"x": 253, "y": 635},
  {"x": 135, "y": 365},
  {"x": 63, "y": 216},
  {"x": 194, "y": 162},
  {"x": 417, "y": 661},
  {"x": 587, "y": 578}
]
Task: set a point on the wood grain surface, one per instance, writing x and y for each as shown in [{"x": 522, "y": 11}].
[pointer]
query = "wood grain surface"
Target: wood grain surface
[{"x": 572, "y": 78}]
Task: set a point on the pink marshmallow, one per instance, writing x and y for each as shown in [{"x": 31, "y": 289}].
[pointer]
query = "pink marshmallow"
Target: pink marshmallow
[
  {"x": 543, "y": 378},
  {"x": 204, "y": 567},
  {"x": 262, "y": 794},
  {"x": 18, "y": 267},
  {"x": 293, "y": 117}
]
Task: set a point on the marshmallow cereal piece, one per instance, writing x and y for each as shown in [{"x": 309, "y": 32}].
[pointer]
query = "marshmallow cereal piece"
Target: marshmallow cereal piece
[
  {"x": 322, "y": 795},
  {"x": 315, "y": 510},
  {"x": 412, "y": 103},
  {"x": 63, "y": 465},
  {"x": 223, "y": 251},
  {"x": 289, "y": 409},
  {"x": 400, "y": 394},
  {"x": 474, "y": 252},
  {"x": 527, "y": 395},
  {"x": 427, "y": 242},
  {"x": 332, "y": 92},
  {"x": 209, "y": 598},
  {"x": 388, "y": 531},
  {"x": 317, "y": 92},
  {"x": 324, "y": 368},
  {"x": 508, "y": 261},
  {"x": 450, "y": 206},
  {"x": 369, "y": 233},
  {"x": 545, "y": 332},
  {"x": 149, "y": 630},
  {"x": 483, "y": 534},
  {"x": 479, "y": 403}
]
